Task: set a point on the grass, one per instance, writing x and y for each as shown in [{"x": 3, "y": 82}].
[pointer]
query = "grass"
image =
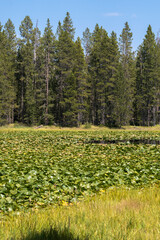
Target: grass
[
  {"x": 115, "y": 214},
  {"x": 85, "y": 127}
]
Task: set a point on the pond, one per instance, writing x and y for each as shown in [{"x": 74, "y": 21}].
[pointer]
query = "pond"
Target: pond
[{"x": 129, "y": 141}]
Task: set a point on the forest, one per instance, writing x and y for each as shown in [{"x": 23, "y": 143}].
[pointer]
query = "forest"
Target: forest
[{"x": 51, "y": 78}]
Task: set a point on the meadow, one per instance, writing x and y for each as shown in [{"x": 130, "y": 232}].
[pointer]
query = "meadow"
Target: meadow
[{"x": 74, "y": 184}]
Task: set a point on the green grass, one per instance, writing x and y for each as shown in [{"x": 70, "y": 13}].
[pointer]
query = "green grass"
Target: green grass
[
  {"x": 55, "y": 184},
  {"x": 116, "y": 214}
]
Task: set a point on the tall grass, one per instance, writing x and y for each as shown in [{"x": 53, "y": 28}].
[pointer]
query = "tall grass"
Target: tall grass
[
  {"x": 85, "y": 127},
  {"x": 115, "y": 214}
]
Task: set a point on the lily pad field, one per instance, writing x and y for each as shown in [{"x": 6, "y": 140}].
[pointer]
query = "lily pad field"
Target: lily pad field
[{"x": 45, "y": 167}]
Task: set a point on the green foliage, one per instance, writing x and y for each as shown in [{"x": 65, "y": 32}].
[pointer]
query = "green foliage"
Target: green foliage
[
  {"x": 80, "y": 74},
  {"x": 7, "y": 73},
  {"x": 87, "y": 125},
  {"x": 87, "y": 43},
  {"x": 70, "y": 73},
  {"x": 66, "y": 82},
  {"x": 25, "y": 76},
  {"x": 126, "y": 83},
  {"x": 147, "y": 81},
  {"x": 46, "y": 79},
  {"x": 39, "y": 168},
  {"x": 99, "y": 71},
  {"x": 68, "y": 26},
  {"x": 26, "y": 29}
]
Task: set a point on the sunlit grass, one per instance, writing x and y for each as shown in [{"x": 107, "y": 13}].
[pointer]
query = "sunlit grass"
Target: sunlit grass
[
  {"x": 116, "y": 214},
  {"x": 20, "y": 127}
]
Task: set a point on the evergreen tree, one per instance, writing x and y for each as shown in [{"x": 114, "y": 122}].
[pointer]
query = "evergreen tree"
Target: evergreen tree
[
  {"x": 80, "y": 74},
  {"x": 156, "y": 109},
  {"x": 127, "y": 76},
  {"x": 3, "y": 79},
  {"x": 68, "y": 26},
  {"x": 66, "y": 103},
  {"x": 51, "y": 79},
  {"x": 59, "y": 29},
  {"x": 46, "y": 61},
  {"x": 99, "y": 74},
  {"x": 147, "y": 81},
  {"x": 87, "y": 43},
  {"x": 9, "y": 31},
  {"x": 37, "y": 72},
  {"x": 25, "y": 76},
  {"x": 36, "y": 41},
  {"x": 7, "y": 73},
  {"x": 113, "y": 85}
]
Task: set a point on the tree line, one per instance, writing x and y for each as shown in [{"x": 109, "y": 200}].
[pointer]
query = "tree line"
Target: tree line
[{"x": 55, "y": 79}]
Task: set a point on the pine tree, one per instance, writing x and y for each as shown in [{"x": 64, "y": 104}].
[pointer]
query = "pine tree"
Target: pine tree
[
  {"x": 36, "y": 41},
  {"x": 51, "y": 79},
  {"x": 156, "y": 109},
  {"x": 113, "y": 83},
  {"x": 37, "y": 72},
  {"x": 67, "y": 26},
  {"x": 127, "y": 76},
  {"x": 87, "y": 43},
  {"x": 59, "y": 29},
  {"x": 25, "y": 76},
  {"x": 147, "y": 81},
  {"x": 80, "y": 73},
  {"x": 46, "y": 60},
  {"x": 7, "y": 73},
  {"x": 9, "y": 31},
  {"x": 3, "y": 79},
  {"x": 99, "y": 74},
  {"x": 66, "y": 104}
]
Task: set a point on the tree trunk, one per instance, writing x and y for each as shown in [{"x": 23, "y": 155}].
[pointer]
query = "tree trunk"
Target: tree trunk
[
  {"x": 47, "y": 88},
  {"x": 154, "y": 115}
]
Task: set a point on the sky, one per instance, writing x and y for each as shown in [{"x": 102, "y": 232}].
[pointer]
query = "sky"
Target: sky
[{"x": 110, "y": 14}]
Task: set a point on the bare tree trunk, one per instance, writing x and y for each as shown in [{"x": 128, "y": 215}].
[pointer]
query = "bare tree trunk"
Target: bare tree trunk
[
  {"x": 12, "y": 117},
  {"x": 103, "y": 115},
  {"x": 47, "y": 88},
  {"x": 22, "y": 101},
  {"x": 148, "y": 118},
  {"x": 103, "y": 104},
  {"x": 36, "y": 42},
  {"x": 154, "y": 115},
  {"x": 9, "y": 117}
]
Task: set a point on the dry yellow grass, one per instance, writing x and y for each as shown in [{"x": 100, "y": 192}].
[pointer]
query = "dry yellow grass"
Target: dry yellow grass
[{"x": 14, "y": 127}]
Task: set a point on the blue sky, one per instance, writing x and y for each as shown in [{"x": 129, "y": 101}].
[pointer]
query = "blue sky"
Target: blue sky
[{"x": 111, "y": 14}]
